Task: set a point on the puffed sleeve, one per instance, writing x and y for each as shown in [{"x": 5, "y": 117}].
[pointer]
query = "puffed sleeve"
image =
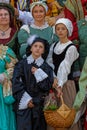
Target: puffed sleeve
[{"x": 23, "y": 35}]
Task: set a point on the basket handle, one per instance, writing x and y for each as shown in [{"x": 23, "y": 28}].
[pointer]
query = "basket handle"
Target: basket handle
[{"x": 62, "y": 101}]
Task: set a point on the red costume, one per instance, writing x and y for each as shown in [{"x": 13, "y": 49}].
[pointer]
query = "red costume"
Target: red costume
[{"x": 75, "y": 10}]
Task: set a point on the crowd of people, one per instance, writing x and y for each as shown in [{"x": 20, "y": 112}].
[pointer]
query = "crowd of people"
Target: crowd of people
[{"x": 42, "y": 46}]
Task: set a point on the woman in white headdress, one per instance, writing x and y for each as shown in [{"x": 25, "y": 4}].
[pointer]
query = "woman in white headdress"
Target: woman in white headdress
[
  {"x": 38, "y": 27},
  {"x": 61, "y": 58}
]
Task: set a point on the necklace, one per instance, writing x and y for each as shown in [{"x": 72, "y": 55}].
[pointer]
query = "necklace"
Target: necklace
[{"x": 3, "y": 33}]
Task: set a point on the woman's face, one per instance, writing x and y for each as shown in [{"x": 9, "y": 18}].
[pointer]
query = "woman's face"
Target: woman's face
[
  {"x": 4, "y": 17},
  {"x": 37, "y": 49},
  {"x": 39, "y": 13},
  {"x": 61, "y": 31}
]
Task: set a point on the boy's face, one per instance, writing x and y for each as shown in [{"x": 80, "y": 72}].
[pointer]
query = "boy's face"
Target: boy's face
[
  {"x": 61, "y": 30},
  {"x": 37, "y": 49}
]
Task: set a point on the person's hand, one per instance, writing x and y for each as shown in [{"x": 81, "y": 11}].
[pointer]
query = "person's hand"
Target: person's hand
[
  {"x": 30, "y": 104},
  {"x": 47, "y": 18},
  {"x": 55, "y": 83},
  {"x": 59, "y": 91},
  {"x": 33, "y": 69},
  {"x": 51, "y": 21},
  {"x": 16, "y": 12}
]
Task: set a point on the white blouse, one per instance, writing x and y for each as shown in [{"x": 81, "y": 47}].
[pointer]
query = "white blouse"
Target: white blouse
[{"x": 65, "y": 66}]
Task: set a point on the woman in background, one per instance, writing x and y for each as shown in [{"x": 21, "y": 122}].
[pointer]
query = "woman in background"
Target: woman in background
[
  {"x": 7, "y": 63},
  {"x": 38, "y": 27},
  {"x": 8, "y": 32}
]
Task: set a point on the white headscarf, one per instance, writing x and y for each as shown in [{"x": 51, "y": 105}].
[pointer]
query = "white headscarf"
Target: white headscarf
[
  {"x": 67, "y": 23},
  {"x": 43, "y": 4}
]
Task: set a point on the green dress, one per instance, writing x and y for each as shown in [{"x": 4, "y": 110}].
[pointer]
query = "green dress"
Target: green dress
[
  {"x": 7, "y": 117},
  {"x": 80, "y": 98},
  {"x": 12, "y": 41},
  {"x": 82, "y": 29},
  {"x": 26, "y": 31}
]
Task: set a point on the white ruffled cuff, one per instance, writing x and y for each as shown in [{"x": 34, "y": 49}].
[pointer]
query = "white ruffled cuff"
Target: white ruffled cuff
[
  {"x": 24, "y": 101},
  {"x": 40, "y": 75}
]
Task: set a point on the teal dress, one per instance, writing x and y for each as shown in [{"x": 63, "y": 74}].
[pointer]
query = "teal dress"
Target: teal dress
[
  {"x": 7, "y": 117},
  {"x": 45, "y": 32},
  {"x": 82, "y": 29}
]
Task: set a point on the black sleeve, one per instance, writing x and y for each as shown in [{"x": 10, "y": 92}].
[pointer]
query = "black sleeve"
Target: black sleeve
[
  {"x": 18, "y": 87},
  {"x": 46, "y": 84}
]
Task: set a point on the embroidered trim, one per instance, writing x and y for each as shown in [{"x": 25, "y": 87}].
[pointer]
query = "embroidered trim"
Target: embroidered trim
[{"x": 3, "y": 50}]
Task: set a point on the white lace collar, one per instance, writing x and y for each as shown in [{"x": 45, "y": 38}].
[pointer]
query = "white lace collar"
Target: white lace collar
[
  {"x": 39, "y": 61},
  {"x": 42, "y": 27}
]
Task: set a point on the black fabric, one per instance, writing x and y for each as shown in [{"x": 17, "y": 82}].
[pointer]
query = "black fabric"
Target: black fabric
[
  {"x": 32, "y": 119},
  {"x": 58, "y": 58},
  {"x": 24, "y": 81}
]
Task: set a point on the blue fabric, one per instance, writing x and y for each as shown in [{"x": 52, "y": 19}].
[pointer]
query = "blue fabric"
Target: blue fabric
[
  {"x": 9, "y": 99},
  {"x": 7, "y": 117}
]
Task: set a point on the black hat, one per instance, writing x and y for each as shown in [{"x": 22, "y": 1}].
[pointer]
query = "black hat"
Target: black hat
[
  {"x": 38, "y": 39},
  {"x": 8, "y": 7}
]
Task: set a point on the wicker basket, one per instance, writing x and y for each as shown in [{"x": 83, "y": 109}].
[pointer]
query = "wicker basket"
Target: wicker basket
[{"x": 63, "y": 117}]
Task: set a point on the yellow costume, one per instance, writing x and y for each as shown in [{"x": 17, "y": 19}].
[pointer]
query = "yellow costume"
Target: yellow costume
[{"x": 54, "y": 8}]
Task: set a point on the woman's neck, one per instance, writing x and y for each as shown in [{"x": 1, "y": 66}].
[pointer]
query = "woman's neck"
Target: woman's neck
[
  {"x": 4, "y": 27},
  {"x": 64, "y": 40},
  {"x": 39, "y": 24},
  {"x": 5, "y": 31}
]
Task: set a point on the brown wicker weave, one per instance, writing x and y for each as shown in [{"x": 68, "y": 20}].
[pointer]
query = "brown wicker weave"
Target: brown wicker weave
[{"x": 60, "y": 118}]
